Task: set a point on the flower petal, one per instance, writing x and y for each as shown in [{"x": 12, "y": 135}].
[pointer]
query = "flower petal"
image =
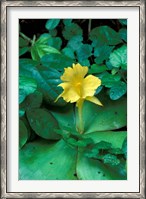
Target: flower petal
[
  {"x": 77, "y": 72},
  {"x": 69, "y": 94},
  {"x": 90, "y": 84},
  {"x": 94, "y": 100}
]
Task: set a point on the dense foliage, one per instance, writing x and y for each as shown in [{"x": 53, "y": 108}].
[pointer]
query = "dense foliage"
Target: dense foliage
[{"x": 50, "y": 146}]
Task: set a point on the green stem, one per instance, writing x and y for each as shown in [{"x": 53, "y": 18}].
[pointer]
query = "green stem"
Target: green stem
[
  {"x": 33, "y": 40},
  {"x": 81, "y": 125},
  {"x": 25, "y": 37}
]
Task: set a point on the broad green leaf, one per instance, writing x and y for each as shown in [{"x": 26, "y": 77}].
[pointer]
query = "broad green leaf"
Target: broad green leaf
[
  {"x": 41, "y": 160},
  {"x": 65, "y": 116},
  {"x": 33, "y": 100},
  {"x": 71, "y": 31},
  {"x": 109, "y": 80},
  {"x": 110, "y": 116},
  {"x": 23, "y": 134},
  {"x": 116, "y": 138},
  {"x": 105, "y": 35},
  {"x": 52, "y": 23},
  {"x": 67, "y": 22},
  {"x": 68, "y": 52},
  {"x": 97, "y": 68},
  {"x": 23, "y": 50},
  {"x": 84, "y": 62},
  {"x": 43, "y": 123},
  {"x": 123, "y": 34},
  {"x": 38, "y": 51},
  {"x": 27, "y": 62},
  {"x": 118, "y": 90},
  {"x": 26, "y": 86},
  {"x": 90, "y": 169},
  {"x": 75, "y": 42},
  {"x": 47, "y": 79},
  {"x": 57, "y": 61},
  {"x": 84, "y": 51},
  {"x": 55, "y": 42},
  {"x": 118, "y": 58},
  {"x": 43, "y": 39},
  {"x": 102, "y": 53}
]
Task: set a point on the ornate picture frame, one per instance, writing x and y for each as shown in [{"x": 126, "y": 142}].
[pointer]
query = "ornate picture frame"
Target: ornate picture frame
[{"x": 5, "y": 106}]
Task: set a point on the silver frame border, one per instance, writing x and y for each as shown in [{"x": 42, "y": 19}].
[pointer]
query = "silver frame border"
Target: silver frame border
[{"x": 4, "y": 4}]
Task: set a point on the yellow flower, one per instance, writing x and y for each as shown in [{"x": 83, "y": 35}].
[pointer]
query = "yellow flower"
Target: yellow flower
[{"x": 77, "y": 87}]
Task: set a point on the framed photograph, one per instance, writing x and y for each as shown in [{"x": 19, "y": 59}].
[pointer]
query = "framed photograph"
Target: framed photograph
[{"x": 72, "y": 99}]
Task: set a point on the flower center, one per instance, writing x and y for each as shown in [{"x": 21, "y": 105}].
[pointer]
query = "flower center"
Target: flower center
[{"x": 78, "y": 88}]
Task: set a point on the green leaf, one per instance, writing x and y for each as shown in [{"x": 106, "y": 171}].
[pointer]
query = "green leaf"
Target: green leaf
[
  {"x": 84, "y": 51},
  {"x": 123, "y": 34},
  {"x": 53, "y": 32},
  {"x": 118, "y": 58},
  {"x": 33, "y": 100},
  {"x": 75, "y": 42},
  {"x": 23, "y": 50},
  {"x": 97, "y": 68},
  {"x": 38, "y": 51},
  {"x": 68, "y": 52},
  {"x": 52, "y": 23},
  {"x": 124, "y": 147},
  {"x": 112, "y": 115},
  {"x": 115, "y": 151},
  {"x": 47, "y": 79},
  {"x": 65, "y": 116},
  {"x": 40, "y": 160},
  {"x": 118, "y": 90},
  {"x": 89, "y": 169},
  {"x": 23, "y": 42},
  {"x": 105, "y": 35},
  {"x": 26, "y": 86},
  {"x": 123, "y": 21},
  {"x": 23, "y": 134},
  {"x": 21, "y": 112},
  {"x": 102, "y": 53},
  {"x": 67, "y": 22},
  {"x": 43, "y": 39},
  {"x": 114, "y": 71},
  {"x": 29, "y": 130},
  {"x": 43, "y": 123},
  {"x": 109, "y": 80},
  {"x": 71, "y": 30},
  {"x": 103, "y": 145},
  {"x": 55, "y": 42},
  {"x": 111, "y": 159},
  {"x": 84, "y": 62},
  {"x": 115, "y": 138},
  {"x": 56, "y": 61},
  {"x": 84, "y": 142},
  {"x": 27, "y": 62}
]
